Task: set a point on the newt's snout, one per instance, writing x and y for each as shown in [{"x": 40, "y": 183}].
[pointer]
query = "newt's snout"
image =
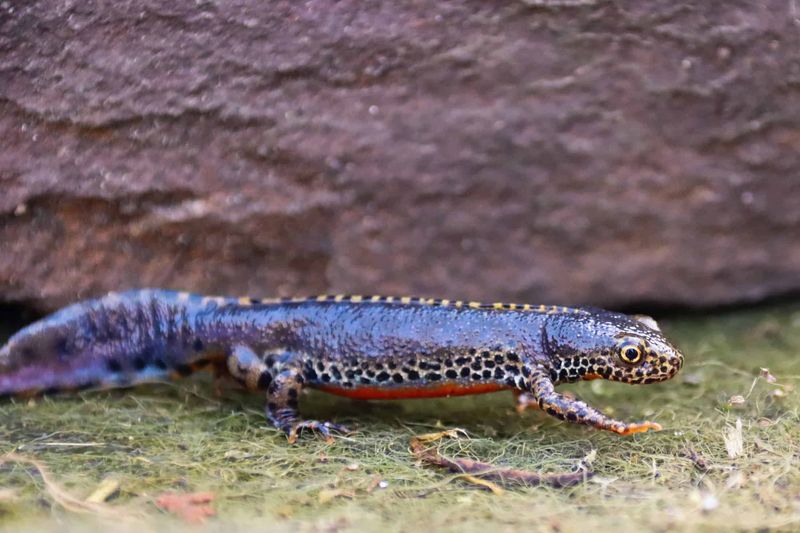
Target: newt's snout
[{"x": 613, "y": 346}]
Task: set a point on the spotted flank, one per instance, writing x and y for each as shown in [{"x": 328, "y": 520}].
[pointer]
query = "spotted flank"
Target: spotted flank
[{"x": 363, "y": 347}]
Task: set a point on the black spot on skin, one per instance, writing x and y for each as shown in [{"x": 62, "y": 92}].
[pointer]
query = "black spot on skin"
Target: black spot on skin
[
  {"x": 513, "y": 369},
  {"x": 563, "y": 375},
  {"x": 487, "y": 374},
  {"x": 62, "y": 346},
  {"x": 350, "y": 374},
  {"x": 526, "y": 371},
  {"x": 183, "y": 370},
  {"x": 512, "y": 356},
  {"x": 270, "y": 360},
  {"x": 451, "y": 374},
  {"x": 422, "y": 365},
  {"x": 639, "y": 373},
  {"x": 326, "y": 377},
  {"x": 392, "y": 365},
  {"x": 347, "y": 384},
  {"x": 264, "y": 380},
  {"x": 160, "y": 364},
  {"x": 498, "y": 373},
  {"x": 358, "y": 371},
  {"x": 139, "y": 363},
  {"x": 365, "y": 381},
  {"x": 336, "y": 374},
  {"x": 198, "y": 345},
  {"x": 411, "y": 362},
  {"x": 476, "y": 376},
  {"x": 397, "y": 378},
  {"x": 433, "y": 376},
  {"x": 292, "y": 393},
  {"x": 383, "y": 376},
  {"x": 567, "y": 363},
  {"x": 461, "y": 361},
  {"x": 476, "y": 365},
  {"x": 582, "y": 371},
  {"x": 485, "y": 354},
  {"x": 465, "y": 372},
  {"x": 499, "y": 358},
  {"x": 352, "y": 361},
  {"x": 320, "y": 366},
  {"x": 413, "y": 374},
  {"x": 370, "y": 373},
  {"x": 572, "y": 417},
  {"x": 311, "y": 374},
  {"x": 473, "y": 351},
  {"x": 488, "y": 363},
  {"x": 434, "y": 366},
  {"x": 510, "y": 381},
  {"x": 378, "y": 366},
  {"x": 365, "y": 365},
  {"x": 448, "y": 363},
  {"x": 551, "y": 411},
  {"x": 592, "y": 360},
  {"x": 113, "y": 366}
]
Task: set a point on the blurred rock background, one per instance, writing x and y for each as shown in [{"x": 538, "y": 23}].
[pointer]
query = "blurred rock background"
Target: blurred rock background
[{"x": 615, "y": 153}]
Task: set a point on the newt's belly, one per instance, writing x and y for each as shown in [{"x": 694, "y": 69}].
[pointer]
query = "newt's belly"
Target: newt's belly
[{"x": 434, "y": 390}]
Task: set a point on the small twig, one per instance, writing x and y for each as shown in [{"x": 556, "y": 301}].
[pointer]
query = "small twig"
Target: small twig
[{"x": 478, "y": 471}]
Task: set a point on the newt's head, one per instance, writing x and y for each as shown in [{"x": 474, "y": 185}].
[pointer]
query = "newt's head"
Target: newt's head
[{"x": 593, "y": 344}]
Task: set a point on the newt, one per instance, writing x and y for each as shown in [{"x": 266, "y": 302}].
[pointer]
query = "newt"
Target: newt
[{"x": 364, "y": 347}]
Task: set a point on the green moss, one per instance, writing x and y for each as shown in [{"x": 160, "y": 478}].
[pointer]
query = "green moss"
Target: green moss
[{"x": 180, "y": 437}]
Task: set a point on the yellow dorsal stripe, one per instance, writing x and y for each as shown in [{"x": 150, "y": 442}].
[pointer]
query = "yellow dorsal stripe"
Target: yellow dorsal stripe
[{"x": 402, "y": 300}]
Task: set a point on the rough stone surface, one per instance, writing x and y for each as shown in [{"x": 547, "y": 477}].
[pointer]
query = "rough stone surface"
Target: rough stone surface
[{"x": 591, "y": 151}]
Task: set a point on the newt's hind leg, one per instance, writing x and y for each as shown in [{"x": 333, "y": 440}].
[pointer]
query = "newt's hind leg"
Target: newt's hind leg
[
  {"x": 282, "y": 402},
  {"x": 573, "y": 410}
]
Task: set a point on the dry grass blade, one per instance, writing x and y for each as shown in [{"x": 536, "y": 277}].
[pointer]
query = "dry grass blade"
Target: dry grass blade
[{"x": 58, "y": 494}]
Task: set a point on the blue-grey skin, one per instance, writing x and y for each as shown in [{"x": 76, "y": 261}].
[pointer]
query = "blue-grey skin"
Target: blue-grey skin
[{"x": 364, "y": 347}]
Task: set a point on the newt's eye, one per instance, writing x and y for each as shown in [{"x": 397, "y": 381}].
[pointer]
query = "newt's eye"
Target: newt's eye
[{"x": 630, "y": 353}]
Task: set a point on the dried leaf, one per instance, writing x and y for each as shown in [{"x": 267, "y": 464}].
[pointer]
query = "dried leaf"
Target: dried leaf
[
  {"x": 193, "y": 508},
  {"x": 737, "y": 400},
  {"x": 767, "y": 376},
  {"x": 106, "y": 489},
  {"x": 328, "y": 495},
  {"x": 734, "y": 440}
]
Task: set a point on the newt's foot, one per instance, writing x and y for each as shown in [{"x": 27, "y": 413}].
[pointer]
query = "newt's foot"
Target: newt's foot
[
  {"x": 323, "y": 428},
  {"x": 630, "y": 429}
]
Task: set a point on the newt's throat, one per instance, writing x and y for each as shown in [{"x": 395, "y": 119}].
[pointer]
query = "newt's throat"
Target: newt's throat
[{"x": 420, "y": 391}]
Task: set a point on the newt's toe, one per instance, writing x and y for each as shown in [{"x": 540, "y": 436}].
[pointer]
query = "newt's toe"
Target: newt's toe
[
  {"x": 324, "y": 429},
  {"x": 630, "y": 429}
]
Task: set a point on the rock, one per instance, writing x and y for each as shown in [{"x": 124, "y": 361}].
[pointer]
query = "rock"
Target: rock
[{"x": 610, "y": 153}]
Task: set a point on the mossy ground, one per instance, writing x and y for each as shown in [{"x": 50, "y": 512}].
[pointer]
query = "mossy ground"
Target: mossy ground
[{"x": 182, "y": 438}]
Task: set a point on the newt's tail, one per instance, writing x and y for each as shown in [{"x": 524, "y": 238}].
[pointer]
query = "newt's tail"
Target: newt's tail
[{"x": 116, "y": 341}]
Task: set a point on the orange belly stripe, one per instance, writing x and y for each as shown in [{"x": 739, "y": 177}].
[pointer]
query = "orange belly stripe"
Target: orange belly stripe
[{"x": 399, "y": 393}]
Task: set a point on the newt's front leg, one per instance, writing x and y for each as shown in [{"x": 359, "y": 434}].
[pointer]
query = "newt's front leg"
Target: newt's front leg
[
  {"x": 283, "y": 393},
  {"x": 572, "y": 410}
]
